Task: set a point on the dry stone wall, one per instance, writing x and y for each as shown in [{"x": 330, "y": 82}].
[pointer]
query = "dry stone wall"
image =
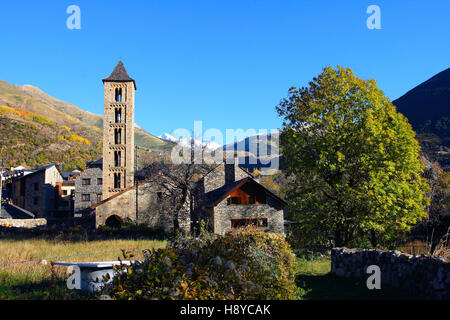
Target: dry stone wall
[
  {"x": 427, "y": 276},
  {"x": 23, "y": 223}
]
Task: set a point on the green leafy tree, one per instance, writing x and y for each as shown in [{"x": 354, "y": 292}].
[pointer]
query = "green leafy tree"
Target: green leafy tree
[{"x": 354, "y": 161}]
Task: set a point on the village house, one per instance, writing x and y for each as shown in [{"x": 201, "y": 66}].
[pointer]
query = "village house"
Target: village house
[
  {"x": 88, "y": 188},
  {"x": 229, "y": 197},
  {"x": 37, "y": 192}
]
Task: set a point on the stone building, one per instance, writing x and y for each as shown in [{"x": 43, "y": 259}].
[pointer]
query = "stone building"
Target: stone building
[
  {"x": 227, "y": 197},
  {"x": 118, "y": 191},
  {"x": 88, "y": 188},
  {"x": 37, "y": 192},
  {"x": 118, "y": 132}
]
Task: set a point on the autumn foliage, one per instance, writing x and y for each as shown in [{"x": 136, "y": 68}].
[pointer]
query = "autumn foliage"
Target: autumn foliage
[{"x": 243, "y": 264}]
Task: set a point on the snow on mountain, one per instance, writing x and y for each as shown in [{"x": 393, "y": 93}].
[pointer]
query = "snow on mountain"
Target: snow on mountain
[
  {"x": 168, "y": 137},
  {"x": 184, "y": 142}
]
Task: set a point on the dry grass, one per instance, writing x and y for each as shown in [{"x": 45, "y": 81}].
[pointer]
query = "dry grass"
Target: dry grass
[{"x": 17, "y": 279}]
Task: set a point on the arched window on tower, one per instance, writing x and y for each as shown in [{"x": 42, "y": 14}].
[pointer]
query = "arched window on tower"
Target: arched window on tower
[
  {"x": 117, "y": 156},
  {"x": 118, "y": 94},
  {"x": 117, "y": 136},
  {"x": 116, "y": 180},
  {"x": 118, "y": 115}
]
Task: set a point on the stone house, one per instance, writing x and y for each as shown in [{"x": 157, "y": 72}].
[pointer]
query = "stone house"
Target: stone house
[
  {"x": 37, "y": 192},
  {"x": 229, "y": 197},
  {"x": 88, "y": 187}
]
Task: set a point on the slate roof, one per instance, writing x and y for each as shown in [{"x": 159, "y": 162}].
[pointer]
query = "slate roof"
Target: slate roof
[
  {"x": 40, "y": 169},
  {"x": 10, "y": 211},
  {"x": 119, "y": 74},
  {"x": 213, "y": 197},
  {"x": 216, "y": 196},
  {"x": 66, "y": 174},
  {"x": 96, "y": 162}
]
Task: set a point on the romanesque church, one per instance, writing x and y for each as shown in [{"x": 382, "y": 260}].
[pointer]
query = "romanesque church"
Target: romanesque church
[{"x": 226, "y": 197}]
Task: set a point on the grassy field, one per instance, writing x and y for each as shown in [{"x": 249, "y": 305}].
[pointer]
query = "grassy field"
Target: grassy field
[
  {"x": 38, "y": 280},
  {"x": 316, "y": 283}
]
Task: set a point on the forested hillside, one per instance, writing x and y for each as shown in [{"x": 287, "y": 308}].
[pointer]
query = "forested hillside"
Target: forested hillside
[
  {"x": 37, "y": 129},
  {"x": 31, "y": 140}
]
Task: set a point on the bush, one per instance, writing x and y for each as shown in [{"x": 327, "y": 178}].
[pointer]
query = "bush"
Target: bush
[{"x": 244, "y": 264}]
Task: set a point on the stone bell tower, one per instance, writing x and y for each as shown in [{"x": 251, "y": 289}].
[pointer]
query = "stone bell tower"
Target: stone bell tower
[{"x": 118, "y": 132}]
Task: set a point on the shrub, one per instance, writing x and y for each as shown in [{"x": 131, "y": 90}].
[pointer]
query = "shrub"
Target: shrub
[
  {"x": 243, "y": 264},
  {"x": 74, "y": 137}
]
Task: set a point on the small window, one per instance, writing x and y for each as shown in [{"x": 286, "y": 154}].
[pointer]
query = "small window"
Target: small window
[
  {"x": 118, "y": 115},
  {"x": 99, "y": 197},
  {"x": 117, "y": 158},
  {"x": 86, "y": 182},
  {"x": 234, "y": 200},
  {"x": 117, "y": 136},
  {"x": 86, "y": 197},
  {"x": 118, "y": 94},
  {"x": 64, "y": 192},
  {"x": 117, "y": 180},
  {"x": 99, "y": 181},
  {"x": 254, "y": 222}
]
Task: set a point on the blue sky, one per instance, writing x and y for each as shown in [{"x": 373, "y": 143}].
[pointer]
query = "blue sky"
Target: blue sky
[{"x": 227, "y": 63}]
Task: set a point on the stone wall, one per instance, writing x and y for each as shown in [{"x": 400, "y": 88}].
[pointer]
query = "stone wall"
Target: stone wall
[
  {"x": 124, "y": 206},
  {"x": 424, "y": 275},
  {"x": 94, "y": 189},
  {"x": 23, "y": 223},
  {"x": 224, "y": 213}
]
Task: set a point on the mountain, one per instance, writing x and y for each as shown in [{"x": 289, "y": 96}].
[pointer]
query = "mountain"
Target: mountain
[
  {"x": 142, "y": 137},
  {"x": 57, "y": 127},
  {"x": 427, "y": 107},
  {"x": 429, "y": 101},
  {"x": 187, "y": 142},
  {"x": 32, "y": 140},
  {"x": 168, "y": 137},
  {"x": 258, "y": 152}
]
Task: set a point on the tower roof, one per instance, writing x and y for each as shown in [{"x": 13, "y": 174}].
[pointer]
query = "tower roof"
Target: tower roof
[{"x": 119, "y": 74}]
